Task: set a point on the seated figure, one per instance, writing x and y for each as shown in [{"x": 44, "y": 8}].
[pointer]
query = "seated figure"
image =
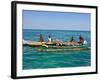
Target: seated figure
[
  {"x": 41, "y": 39},
  {"x": 49, "y": 39},
  {"x": 81, "y": 39},
  {"x": 72, "y": 42}
]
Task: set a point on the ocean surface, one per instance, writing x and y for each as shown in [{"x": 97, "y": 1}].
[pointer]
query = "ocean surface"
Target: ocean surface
[{"x": 33, "y": 59}]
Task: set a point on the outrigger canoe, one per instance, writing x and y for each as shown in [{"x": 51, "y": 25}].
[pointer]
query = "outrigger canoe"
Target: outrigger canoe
[{"x": 46, "y": 46}]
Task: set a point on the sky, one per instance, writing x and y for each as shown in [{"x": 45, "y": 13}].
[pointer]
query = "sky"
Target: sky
[{"x": 56, "y": 20}]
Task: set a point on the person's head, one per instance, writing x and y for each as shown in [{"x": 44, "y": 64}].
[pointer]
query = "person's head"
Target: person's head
[{"x": 49, "y": 36}]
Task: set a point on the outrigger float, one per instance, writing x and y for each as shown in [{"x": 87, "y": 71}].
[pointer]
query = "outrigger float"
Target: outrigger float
[{"x": 52, "y": 46}]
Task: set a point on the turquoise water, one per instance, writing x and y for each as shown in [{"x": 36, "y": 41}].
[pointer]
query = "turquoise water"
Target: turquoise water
[{"x": 33, "y": 59}]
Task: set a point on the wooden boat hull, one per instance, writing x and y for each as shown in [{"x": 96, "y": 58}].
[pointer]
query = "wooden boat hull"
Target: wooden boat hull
[
  {"x": 64, "y": 48},
  {"x": 46, "y": 46}
]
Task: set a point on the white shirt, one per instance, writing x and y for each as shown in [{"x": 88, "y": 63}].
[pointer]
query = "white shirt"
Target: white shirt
[
  {"x": 49, "y": 39},
  {"x": 85, "y": 42}
]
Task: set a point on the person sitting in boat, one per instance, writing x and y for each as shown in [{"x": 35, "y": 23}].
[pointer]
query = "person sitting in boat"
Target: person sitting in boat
[
  {"x": 41, "y": 38},
  {"x": 81, "y": 40},
  {"x": 72, "y": 42},
  {"x": 49, "y": 39},
  {"x": 72, "y": 39}
]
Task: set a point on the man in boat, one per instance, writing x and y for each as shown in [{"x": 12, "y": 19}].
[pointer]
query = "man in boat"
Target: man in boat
[
  {"x": 41, "y": 38},
  {"x": 72, "y": 42},
  {"x": 72, "y": 39},
  {"x": 81, "y": 40},
  {"x": 49, "y": 39},
  {"x": 42, "y": 41}
]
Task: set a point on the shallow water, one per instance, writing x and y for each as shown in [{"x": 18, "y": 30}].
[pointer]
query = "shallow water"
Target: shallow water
[{"x": 33, "y": 59}]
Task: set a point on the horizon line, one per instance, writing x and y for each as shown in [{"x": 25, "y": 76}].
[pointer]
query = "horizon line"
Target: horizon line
[{"x": 58, "y": 29}]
